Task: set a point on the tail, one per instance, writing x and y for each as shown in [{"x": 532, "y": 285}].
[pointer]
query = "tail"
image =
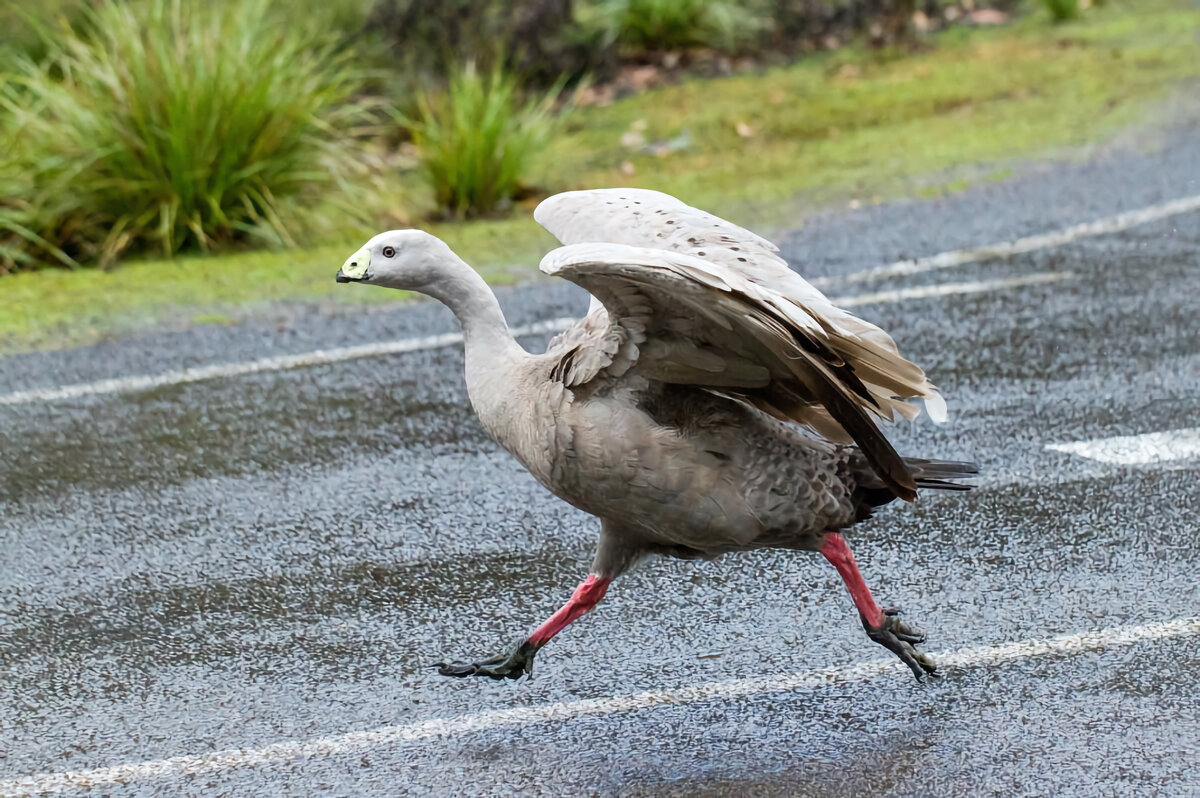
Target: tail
[
  {"x": 936, "y": 473},
  {"x": 928, "y": 474}
]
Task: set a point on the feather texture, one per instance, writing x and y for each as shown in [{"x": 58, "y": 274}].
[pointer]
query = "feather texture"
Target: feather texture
[{"x": 688, "y": 298}]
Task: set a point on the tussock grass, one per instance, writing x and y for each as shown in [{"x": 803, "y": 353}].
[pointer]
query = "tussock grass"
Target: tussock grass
[
  {"x": 663, "y": 25},
  {"x": 168, "y": 126},
  {"x": 1062, "y": 10},
  {"x": 479, "y": 138}
]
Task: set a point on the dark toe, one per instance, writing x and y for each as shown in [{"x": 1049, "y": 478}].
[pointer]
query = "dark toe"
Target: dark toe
[
  {"x": 900, "y": 639},
  {"x": 512, "y": 664},
  {"x": 912, "y": 636},
  {"x": 458, "y": 668},
  {"x": 920, "y": 663}
]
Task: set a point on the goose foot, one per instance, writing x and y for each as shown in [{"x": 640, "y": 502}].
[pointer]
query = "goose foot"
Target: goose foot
[
  {"x": 513, "y": 663},
  {"x": 901, "y": 640}
]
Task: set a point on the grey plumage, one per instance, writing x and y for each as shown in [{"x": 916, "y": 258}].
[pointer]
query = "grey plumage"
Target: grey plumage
[{"x": 710, "y": 401}]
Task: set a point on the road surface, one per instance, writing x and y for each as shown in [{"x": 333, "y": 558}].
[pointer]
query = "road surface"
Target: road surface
[{"x": 236, "y": 583}]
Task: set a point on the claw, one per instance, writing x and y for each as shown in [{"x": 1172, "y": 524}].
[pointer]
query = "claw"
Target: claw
[
  {"x": 898, "y": 638},
  {"x": 513, "y": 663}
]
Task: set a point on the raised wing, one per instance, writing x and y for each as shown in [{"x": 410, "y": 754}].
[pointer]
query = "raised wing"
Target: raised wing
[
  {"x": 675, "y": 318},
  {"x": 689, "y": 298},
  {"x": 643, "y": 218}
]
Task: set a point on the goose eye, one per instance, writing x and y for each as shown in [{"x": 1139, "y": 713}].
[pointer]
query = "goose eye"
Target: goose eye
[{"x": 389, "y": 252}]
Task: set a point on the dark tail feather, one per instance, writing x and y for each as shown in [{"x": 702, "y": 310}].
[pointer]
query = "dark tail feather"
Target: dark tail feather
[
  {"x": 941, "y": 484},
  {"x": 932, "y": 474},
  {"x": 936, "y": 473}
]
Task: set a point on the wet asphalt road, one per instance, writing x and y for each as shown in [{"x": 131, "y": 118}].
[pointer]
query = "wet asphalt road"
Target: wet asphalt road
[{"x": 280, "y": 557}]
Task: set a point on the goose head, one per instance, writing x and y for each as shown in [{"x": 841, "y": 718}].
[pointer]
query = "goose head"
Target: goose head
[{"x": 409, "y": 260}]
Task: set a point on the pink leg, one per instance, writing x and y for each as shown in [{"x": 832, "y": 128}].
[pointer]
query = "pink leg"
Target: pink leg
[
  {"x": 586, "y": 596},
  {"x": 517, "y": 659},
  {"x": 838, "y": 553},
  {"x": 883, "y": 626}
]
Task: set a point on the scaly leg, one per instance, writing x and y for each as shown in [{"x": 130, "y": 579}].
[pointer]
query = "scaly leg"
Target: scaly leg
[
  {"x": 883, "y": 626},
  {"x": 517, "y": 659}
]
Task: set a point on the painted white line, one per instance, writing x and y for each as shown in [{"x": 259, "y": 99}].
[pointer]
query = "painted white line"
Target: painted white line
[
  {"x": 281, "y": 363},
  {"x": 1111, "y": 224},
  {"x": 961, "y": 257},
  {"x": 321, "y": 357},
  {"x": 949, "y": 289},
  {"x": 1153, "y": 447},
  {"x": 389, "y": 736}
]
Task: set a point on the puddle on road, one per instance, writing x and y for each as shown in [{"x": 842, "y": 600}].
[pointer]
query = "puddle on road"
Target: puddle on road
[
  {"x": 336, "y": 616},
  {"x": 1172, "y": 680},
  {"x": 1042, "y": 724},
  {"x": 1078, "y": 520},
  {"x": 1057, "y": 331},
  {"x": 880, "y": 766}
]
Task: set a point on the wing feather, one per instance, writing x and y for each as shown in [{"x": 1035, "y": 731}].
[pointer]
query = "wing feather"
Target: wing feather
[
  {"x": 688, "y": 298},
  {"x": 643, "y": 218},
  {"x": 733, "y": 325}
]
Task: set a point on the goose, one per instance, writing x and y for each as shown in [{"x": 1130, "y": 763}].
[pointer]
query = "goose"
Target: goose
[{"x": 710, "y": 401}]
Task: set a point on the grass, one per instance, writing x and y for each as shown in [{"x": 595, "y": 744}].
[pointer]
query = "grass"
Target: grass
[
  {"x": 848, "y": 125},
  {"x": 23, "y": 23},
  {"x": 58, "y": 308},
  {"x": 643, "y": 26},
  {"x": 479, "y": 138},
  {"x": 1062, "y": 10},
  {"x": 170, "y": 125},
  {"x": 857, "y": 123}
]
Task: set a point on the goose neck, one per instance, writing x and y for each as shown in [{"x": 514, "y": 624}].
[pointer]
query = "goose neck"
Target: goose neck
[{"x": 490, "y": 347}]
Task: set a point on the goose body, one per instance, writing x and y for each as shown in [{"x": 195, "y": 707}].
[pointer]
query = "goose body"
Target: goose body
[
  {"x": 710, "y": 401},
  {"x": 676, "y": 470}
]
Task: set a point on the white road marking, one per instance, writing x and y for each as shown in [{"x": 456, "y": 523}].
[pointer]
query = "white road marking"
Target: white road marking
[
  {"x": 1153, "y": 447},
  {"x": 355, "y": 743},
  {"x": 949, "y": 289},
  {"x": 958, "y": 257},
  {"x": 321, "y": 357},
  {"x": 961, "y": 257}
]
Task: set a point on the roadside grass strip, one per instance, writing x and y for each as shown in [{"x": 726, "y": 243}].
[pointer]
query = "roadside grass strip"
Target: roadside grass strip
[{"x": 960, "y": 257}]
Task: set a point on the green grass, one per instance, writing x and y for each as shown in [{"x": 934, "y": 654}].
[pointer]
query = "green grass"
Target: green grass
[
  {"x": 644, "y": 26},
  {"x": 1062, "y": 10},
  {"x": 857, "y": 123},
  {"x": 479, "y": 138},
  {"x": 22, "y": 22},
  {"x": 58, "y": 308},
  {"x": 166, "y": 126},
  {"x": 848, "y": 125}
]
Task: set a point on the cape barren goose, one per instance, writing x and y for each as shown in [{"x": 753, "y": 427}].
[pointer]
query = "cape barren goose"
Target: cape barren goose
[{"x": 710, "y": 401}]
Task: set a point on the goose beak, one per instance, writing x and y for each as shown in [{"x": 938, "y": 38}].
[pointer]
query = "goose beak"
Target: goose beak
[{"x": 354, "y": 270}]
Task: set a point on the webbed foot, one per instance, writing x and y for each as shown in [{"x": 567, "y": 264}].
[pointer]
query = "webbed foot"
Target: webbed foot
[
  {"x": 514, "y": 662},
  {"x": 901, "y": 640}
]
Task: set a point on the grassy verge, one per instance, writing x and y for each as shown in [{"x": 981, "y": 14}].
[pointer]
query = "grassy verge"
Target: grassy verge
[{"x": 850, "y": 124}]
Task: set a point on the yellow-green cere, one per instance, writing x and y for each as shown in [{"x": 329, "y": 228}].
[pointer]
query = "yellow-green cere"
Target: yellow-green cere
[{"x": 357, "y": 264}]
